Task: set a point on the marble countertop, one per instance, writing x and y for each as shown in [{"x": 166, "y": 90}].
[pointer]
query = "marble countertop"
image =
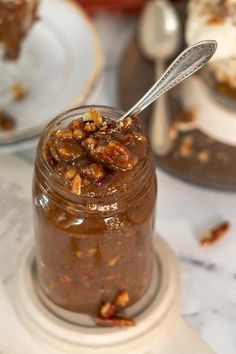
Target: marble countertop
[{"x": 208, "y": 275}]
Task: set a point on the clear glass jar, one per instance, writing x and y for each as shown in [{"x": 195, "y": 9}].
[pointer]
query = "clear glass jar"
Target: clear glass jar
[{"x": 88, "y": 249}]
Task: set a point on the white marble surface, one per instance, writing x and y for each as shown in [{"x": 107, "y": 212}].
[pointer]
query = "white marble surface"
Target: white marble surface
[{"x": 208, "y": 275}]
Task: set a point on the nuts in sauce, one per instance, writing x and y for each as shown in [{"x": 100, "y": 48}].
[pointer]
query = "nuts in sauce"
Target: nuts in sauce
[{"x": 94, "y": 205}]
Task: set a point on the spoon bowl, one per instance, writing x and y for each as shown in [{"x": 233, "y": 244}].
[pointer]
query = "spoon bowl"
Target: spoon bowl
[
  {"x": 159, "y": 30},
  {"x": 159, "y": 39}
]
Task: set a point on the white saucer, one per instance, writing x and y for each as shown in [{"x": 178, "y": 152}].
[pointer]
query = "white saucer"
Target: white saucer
[
  {"x": 68, "y": 58},
  {"x": 159, "y": 328}
]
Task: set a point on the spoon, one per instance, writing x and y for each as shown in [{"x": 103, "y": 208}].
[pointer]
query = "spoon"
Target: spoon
[
  {"x": 187, "y": 63},
  {"x": 159, "y": 37}
]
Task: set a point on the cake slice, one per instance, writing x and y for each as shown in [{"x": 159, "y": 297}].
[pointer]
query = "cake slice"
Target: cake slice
[{"x": 16, "y": 19}]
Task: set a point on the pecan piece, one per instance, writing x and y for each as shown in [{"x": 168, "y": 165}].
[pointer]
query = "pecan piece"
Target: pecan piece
[
  {"x": 113, "y": 261},
  {"x": 186, "y": 147},
  {"x": 210, "y": 237},
  {"x": 107, "y": 310},
  {"x": 87, "y": 117},
  {"x": 104, "y": 127},
  {"x": 115, "y": 155},
  {"x": 70, "y": 174},
  {"x": 19, "y": 91},
  {"x": 79, "y": 134},
  {"x": 122, "y": 298},
  {"x": 140, "y": 137},
  {"x": 90, "y": 127},
  {"x": 75, "y": 124},
  {"x": 94, "y": 171},
  {"x": 53, "y": 152},
  {"x": 114, "y": 321},
  {"x": 127, "y": 123},
  {"x": 78, "y": 254},
  {"x": 64, "y": 134},
  {"x": 96, "y": 116},
  {"x": 89, "y": 144},
  {"x": 127, "y": 139},
  {"x": 203, "y": 156},
  {"x": 69, "y": 152},
  {"x": 76, "y": 185}
]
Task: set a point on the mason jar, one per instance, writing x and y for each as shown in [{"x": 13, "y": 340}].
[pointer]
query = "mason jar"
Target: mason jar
[{"x": 88, "y": 249}]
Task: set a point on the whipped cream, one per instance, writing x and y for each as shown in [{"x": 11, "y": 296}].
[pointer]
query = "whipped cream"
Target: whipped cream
[
  {"x": 224, "y": 71},
  {"x": 213, "y": 19}
]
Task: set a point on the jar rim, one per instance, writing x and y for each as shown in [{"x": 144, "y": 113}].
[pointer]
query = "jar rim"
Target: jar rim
[{"x": 50, "y": 174}]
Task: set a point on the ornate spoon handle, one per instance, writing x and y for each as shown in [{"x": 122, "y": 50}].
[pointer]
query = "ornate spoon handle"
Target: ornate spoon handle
[{"x": 187, "y": 63}]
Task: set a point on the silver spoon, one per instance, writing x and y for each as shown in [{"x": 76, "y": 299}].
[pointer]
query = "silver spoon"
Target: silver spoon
[
  {"x": 159, "y": 37},
  {"x": 187, "y": 63}
]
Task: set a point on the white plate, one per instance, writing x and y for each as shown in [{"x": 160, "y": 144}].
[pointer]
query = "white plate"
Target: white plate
[
  {"x": 67, "y": 56},
  {"x": 31, "y": 142}
]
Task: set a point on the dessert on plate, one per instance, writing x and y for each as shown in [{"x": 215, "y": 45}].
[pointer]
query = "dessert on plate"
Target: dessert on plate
[
  {"x": 16, "y": 19},
  {"x": 216, "y": 19}
]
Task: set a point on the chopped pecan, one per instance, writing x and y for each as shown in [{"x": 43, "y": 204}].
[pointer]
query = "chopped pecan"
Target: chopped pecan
[
  {"x": 70, "y": 174},
  {"x": 90, "y": 127},
  {"x": 75, "y": 124},
  {"x": 69, "y": 152},
  {"x": 114, "y": 321},
  {"x": 78, "y": 254},
  {"x": 19, "y": 91},
  {"x": 208, "y": 238},
  {"x": 186, "y": 147},
  {"x": 120, "y": 125},
  {"x": 127, "y": 123},
  {"x": 140, "y": 137},
  {"x": 53, "y": 152},
  {"x": 107, "y": 310},
  {"x": 127, "y": 139},
  {"x": 96, "y": 116},
  {"x": 89, "y": 144},
  {"x": 76, "y": 185},
  {"x": 203, "y": 156},
  {"x": 93, "y": 171},
  {"x": 87, "y": 117},
  {"x": 104, "y": 127},
  {"x": 122, "y": 298},
  {"x": 115, "y": 155},
  {"x": 64, "y": 134},
  {"x": 113, "y": 261},
  {"x": 79, "y": 134}
]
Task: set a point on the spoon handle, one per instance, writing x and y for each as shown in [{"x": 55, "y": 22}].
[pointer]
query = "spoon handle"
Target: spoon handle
[
  {"x": 187, "y": 63},
  {"x": 160, "y": 120}
]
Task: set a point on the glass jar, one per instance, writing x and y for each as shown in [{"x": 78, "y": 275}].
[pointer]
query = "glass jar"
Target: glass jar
[{"x": 88, "y": 249}]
